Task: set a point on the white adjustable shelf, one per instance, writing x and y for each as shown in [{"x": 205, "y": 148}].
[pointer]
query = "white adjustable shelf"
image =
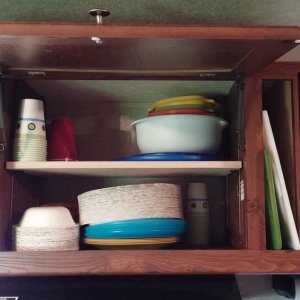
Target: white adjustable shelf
[{"x": 126, "y": 168}]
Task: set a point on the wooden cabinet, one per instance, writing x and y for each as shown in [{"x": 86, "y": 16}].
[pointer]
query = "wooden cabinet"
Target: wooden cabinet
[{"x": 118, "y": 76}]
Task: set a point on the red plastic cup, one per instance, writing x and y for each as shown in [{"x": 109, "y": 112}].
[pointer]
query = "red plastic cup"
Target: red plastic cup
[{"x": 61, "y": 140}]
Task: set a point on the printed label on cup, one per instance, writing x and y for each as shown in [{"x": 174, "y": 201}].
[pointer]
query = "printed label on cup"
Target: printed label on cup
[
  {"x": 197, "y": 206},
  {"x": 30, "y": 127}
]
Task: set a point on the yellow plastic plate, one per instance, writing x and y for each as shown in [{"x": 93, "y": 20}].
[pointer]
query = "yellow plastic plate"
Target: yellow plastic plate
[
  {"x": 184, "y": 100},
  {"x": 114, "y": 242}
]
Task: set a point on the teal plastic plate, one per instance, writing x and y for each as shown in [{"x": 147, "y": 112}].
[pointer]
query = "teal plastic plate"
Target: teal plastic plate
[{"x": 139, "y": 228}]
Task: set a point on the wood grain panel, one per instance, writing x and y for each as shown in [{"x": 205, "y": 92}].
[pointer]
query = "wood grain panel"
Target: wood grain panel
[
  {"x": 235, "y": 210},
  {"x": 296, "y": 149},
  {"x": 236, "y": 207},
  {"x": 253, "y": 166},
  {"x": 169, "y": 31},
  {"x": 280, "y": 70},
  {"x": 148, "y": 262},
  {"x": 125, "y": 54},
  {"x": 5, "y": 208},
  {"x": 143, "y": 55},
  {"x": 205, "y": 49}
]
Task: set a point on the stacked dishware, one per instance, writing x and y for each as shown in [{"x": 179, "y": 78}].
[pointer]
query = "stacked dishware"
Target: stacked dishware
[
  {"x": 188, "y": 105},
  {"x": 132, "y": 216},
  {"x": 46, "y": 229},
  {"x": 180, "y": 128},
  {"x": 30, "y": 142}
]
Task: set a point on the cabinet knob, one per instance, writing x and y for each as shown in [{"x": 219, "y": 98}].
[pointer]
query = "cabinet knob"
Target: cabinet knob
[{"x": 99, "y": 14}]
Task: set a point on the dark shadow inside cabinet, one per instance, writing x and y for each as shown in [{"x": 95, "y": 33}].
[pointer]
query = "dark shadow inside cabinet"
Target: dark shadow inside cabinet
[{"x": 102, "y": 112}]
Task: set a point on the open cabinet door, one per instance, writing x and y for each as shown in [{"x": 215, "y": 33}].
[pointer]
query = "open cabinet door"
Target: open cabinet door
[{"x": 140, "y": 51}]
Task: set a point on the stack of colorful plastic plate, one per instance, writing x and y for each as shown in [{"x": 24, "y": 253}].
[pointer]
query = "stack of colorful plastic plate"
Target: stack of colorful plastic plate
[
  {"x": 141, "y": 211},
  {"x": 139, "y": 233},
  {"x": 171, "y": 156},
  {"x": 194, "y": 104},
  {"x": 180, "y": 111}
]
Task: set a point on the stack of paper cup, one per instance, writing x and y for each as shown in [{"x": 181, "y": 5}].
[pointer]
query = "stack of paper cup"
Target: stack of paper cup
[
  {"x": 30, "y": 138},
  {"x": 198, "y": 215}
]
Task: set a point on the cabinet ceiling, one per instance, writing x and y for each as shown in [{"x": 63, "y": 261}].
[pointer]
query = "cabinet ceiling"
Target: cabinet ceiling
[{"x": 229, "y": 12}]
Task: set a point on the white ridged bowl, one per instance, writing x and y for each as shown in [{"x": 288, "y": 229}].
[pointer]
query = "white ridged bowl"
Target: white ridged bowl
[{"x": 55, "y": 216}]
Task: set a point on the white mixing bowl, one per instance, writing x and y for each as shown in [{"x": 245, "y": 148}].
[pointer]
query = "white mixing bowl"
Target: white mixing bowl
[{"x": 179, "y": 133}]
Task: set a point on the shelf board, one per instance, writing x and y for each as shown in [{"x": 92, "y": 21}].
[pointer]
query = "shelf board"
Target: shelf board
[
  {"x": 148, "y": 262},
  {"x": 128, "y": 168}
]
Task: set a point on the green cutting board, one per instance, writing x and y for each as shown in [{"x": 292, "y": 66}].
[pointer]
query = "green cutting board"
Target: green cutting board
[{"x": 274, "y": 239}]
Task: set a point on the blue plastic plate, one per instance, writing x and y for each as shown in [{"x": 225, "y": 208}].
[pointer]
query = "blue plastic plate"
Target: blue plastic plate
[
  {"x": 170, "y": 157},
  {"x": 139, "y": 228}
]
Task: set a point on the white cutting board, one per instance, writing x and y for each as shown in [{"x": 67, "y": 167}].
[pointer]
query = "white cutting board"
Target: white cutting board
[{"x": 288, "y": 227}]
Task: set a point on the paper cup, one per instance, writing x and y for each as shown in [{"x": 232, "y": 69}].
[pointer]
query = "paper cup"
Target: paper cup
[{"x": 32, "y": 109}]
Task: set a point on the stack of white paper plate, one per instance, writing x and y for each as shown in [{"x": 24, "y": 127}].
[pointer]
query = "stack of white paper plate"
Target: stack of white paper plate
[{"x": 157, "y": 200}]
